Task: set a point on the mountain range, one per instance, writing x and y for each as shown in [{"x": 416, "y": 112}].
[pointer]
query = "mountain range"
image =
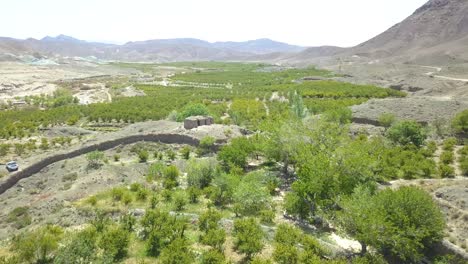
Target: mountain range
[
  {"x": 437, "y": 33},
  {"x": 160, "y": 50}
]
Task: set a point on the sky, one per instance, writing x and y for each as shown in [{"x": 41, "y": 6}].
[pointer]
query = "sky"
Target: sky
[{"x": 302, "y": 22}]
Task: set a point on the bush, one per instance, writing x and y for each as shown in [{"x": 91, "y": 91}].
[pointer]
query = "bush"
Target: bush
[
  {"x": 171, "y": 154},
  {"x": 267, "y": 216},
  {"x": 171, "y": 173},
  {"x": 206, "y": 144},
  {"x": 251, "y": 197},
  {"x": 81, "y": 248},
  {"x": 95, "y": 159},
  {"x": 185, "y": 152},
  {"x": 201, "y": 172},
  {"x": 19, "y": 217},
  {"x": 248, "y": 236},
  {"x": 213, "y": 257},
  {"x": 38, "y": 246},
  {"x": 117, "y": 193},
  {"x": 407, "y": 132},
  {"x": 193, "y": 194},
  {"x": 386, "y": 119},
  {"x": 92, "y": 200},
  {"x": 447, "y": 157},
  {"x": 449, "y": 144},
  {"x": 214, "y": 238},
  {"x": 446, "y": 171},
  {"x": 342, "y": 115},
  {"x": 180, "y": 201},
  {"x": 143, "y": 156},
  {"x": 236, "y": 153},
  {"x": 116, "y": 157},
  {"x": 464, "y": 166},
  {"x": 460, "y": 122},
  {"x": 142, "y": 194},
  {"x": 114, "y": 243},
  {"x": 177, "y": 252}
]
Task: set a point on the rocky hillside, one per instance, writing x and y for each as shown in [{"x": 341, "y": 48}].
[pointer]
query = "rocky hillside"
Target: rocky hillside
[{"x": 436, "y": 32}]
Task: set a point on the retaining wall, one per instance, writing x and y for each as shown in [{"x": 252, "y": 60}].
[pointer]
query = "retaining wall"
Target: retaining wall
[{"x": 101, "y": 146}]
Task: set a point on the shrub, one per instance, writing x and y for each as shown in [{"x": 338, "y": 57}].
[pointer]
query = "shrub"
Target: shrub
[
  {"x": 342, "y": 115},
  {"x": 201, "y": 172},
  {"x": 95, "y": 159},
  {"x": 460, "y": 122},
  {"x": 446, "y": 171},
  {"x": 206, "y": 144},
  {"x": 180, "y": 201},
  {"x": 267, "y": 216},
  {"x": 464, "y": 166},
  {"x": 142, "y": 194},
  {"x": 171, "y": 173},
  {"x": 213, "y": 257},
  {"x": 248, "y": 236},
  {"x": 38, "y": 246},
  {"x": 114, "y": 243},
  {"x": 193, "y": 194},
  {"x": 117, "y": 193},
  {"x": 177, "y": 252},
  {"x": 185, "y": 152},
  {"x": 19, "y": 217},
  {"x": 92, "y": 200},
  {"x": 447, "y": 157},
  {"x": 81, "y": 248},
  {"x": 116, "y": 157},
  {"x": 236, "y": 153},
  {"x": 143, "y": 156},
  {"x": 386, "y": 119},
  {"x": 214, "y": 238},
  {"x": 449, "y": 144},
  {"x": 252, "y": 198},
  {"x": 171, "y": 154},
  {"x": 407, "y": 132}
]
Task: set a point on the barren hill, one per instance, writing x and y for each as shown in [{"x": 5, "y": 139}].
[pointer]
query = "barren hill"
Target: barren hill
[{"x": 437, "y": 31}]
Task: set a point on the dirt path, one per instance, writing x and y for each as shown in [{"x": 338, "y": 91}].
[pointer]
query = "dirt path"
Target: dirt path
[{"x": 438, "y": 69}]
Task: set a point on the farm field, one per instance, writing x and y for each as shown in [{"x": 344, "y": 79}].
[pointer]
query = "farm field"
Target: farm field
[{"x": 283, "y": 177}]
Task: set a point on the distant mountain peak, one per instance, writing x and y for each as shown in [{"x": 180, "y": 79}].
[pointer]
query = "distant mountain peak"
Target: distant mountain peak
[{"x": 63, "y": 38}]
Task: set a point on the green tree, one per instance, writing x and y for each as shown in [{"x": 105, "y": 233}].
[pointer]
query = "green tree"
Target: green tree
[
  {"x": 236, "y": 153},
  {"x": 286, "y": 238},
  {"x": 407, "y": 132},
  {"x": 251, "y": 197},
  {"x": 114, "y": 242},
  {"x": 193, "y": 110},
  {"x": 200, "y": 172},
  {"x": 298, "y": 108},
  {"x": 248, "y": 236},
  {"x": 177, "y": 252},
  {"x": 401, "y": 222}
]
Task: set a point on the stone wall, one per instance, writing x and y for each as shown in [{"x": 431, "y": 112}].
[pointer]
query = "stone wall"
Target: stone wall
[
  {"x": 196, "y": 121},
  {"x": 37, "y": 167}
]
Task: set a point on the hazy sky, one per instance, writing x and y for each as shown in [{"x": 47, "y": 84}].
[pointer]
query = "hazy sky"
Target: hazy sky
[{"x": 302, "y": 22}]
